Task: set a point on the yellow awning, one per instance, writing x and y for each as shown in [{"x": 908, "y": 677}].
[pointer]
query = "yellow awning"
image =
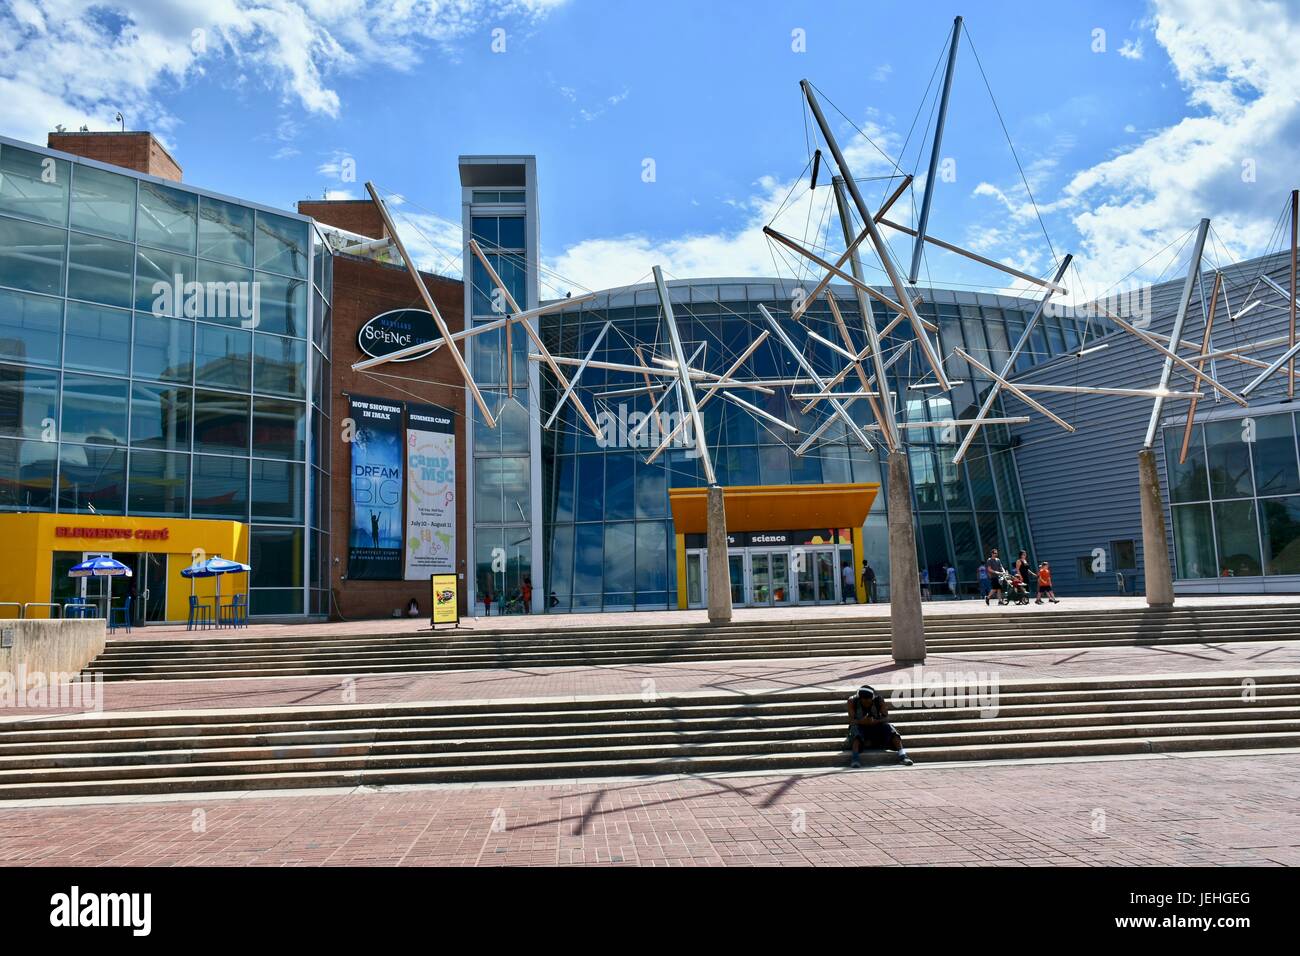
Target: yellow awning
[{"x": 775, "y": 507}]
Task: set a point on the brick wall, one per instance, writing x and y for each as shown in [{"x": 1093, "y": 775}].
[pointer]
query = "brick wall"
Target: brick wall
[
  {"x": 353, "y": 215},
  {"x": 362, "y": 290},
  {"x": 131, "y": 150}
]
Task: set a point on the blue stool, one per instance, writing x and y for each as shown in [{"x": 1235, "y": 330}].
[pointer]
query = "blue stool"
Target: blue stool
[
  {"x": 120, "y": 615},
  {"x": 200, "y": 614}
]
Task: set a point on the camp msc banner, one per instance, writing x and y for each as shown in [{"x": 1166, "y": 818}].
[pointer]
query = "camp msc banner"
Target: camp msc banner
[
  {"x": 430, "y": 491},
  {"x": 375, "y": 538}
]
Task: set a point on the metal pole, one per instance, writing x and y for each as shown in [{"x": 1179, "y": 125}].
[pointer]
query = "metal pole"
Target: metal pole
[
  {"x": 433, "y": 309},
  {"x": 568, "y": 389},
  {"x": 928, "y": 195},
  {"x": 1193, "y": 270},
  {"x": 1295, "y": 212},
  {"x": 889, "y": 424},
  {"x": 688, "y": 388},
  {"x": 812, "y": 373},
  {"x": 882, "y": 248},
  {"x": 1205, "y": 350},
  {"x": 991, "y": 397}
]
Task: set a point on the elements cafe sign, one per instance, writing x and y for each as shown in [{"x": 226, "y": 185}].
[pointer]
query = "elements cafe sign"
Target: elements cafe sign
[
  {"x": 399, "y": 329},
  {"x": 114, "y": 534}
]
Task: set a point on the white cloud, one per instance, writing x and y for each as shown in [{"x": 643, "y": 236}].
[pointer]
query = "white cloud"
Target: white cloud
[
  {"x": 615, "y": 261},
  {"x": 1131, "y": 49},
  {"x": 79, "y": 61}
]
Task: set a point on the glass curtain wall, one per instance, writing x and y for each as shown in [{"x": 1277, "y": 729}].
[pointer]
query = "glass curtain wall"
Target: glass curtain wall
[
  {"x": 154, "y": 350},
  {"x": 1235, "y": 501},
  {"x": 609, "y": 537}
]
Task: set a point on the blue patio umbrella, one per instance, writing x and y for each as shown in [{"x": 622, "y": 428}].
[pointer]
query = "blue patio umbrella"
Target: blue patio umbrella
[
  {"x": 213, "y": 568},
  {"x": 100, "y": 567}
]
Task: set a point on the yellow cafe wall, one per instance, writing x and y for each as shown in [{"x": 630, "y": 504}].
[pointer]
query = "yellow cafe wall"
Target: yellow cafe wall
[{"x": 28, "y": 543}]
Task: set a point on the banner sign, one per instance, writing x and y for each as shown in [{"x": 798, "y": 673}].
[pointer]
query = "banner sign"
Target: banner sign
[
  {"x": 777, "y": 539},
  {"x": 375, "y": 537},
  {"x": 430, "y": 491},
  {"x": 445, "y": 608}
]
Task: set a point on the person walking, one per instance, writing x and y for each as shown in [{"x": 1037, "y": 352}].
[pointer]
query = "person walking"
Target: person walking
[
  {"x": 982, "y": 575},
  {"x": 950, "y": 574},
  {"x": 869, "y": 582},
  {"x": 995, "y": 572},
  {"x": 527, "y": 594},
  {"x": 848, "y": 585},
  {"x": 1023, "y": 568},
  {"x": 925, "y": 584},
  {"x": 1045, "y": 584}
]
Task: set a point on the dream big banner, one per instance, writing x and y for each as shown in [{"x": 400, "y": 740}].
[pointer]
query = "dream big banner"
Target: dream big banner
[
  {"x": 430, "y": 492},
  {"x": 375, "y": 538}
]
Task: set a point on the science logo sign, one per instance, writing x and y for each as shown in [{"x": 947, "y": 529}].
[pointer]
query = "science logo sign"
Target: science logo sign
[
  {"x": 390, "y": 332},
  {"x": 375, "y": 537}
]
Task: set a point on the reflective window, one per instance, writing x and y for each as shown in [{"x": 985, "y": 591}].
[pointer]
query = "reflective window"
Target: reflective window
[
  {"x": 222, "y": 356},
  {"x": 591, "y": 487},
  {"x": 98, "y": 339},
  {"x": 1280, "y": 525},
  {"x": 1238, "y": 538},
  {"x": 163, "y": 349},
  {"x": 282, "y": 305},
  {"x": 32, "y": 256},
  {"x": 281, "y": 245},
  {"x": 652, "y": 556},
  {"x": 103, "y": 202},
  {"x": 31, "y": 328},
  {"x": 1228, "y": 458},
  {"x": 279, "y": 429},
  {"x": 221, "y": 422},
  {"x": 99, "y": 270},
  {"x": 1274, "y": 451},
  {"x": 160, "y": 280},
  {"x": 277, "y": 491},
  {"x": 27, "y": 470},
  {"x": 276, "y": 557},
  {"x": 652, "y": 490},
  {"x": 33, "y": 186},
  {"x": 225, "y": 231},
  {"x": 619, "y": 486},
  {"x": 1187, "y": 481},
  {"x": 280, "y": 365},
  {"x": 1194, "y": 541},
  {"x": 620, "y": 570},
  {"x": 588, "y": 564},
  {"x": 29, "y": 402},
  {"x": 159, "y": 484},
  {"x": 220, "y": 487},
  {"x": 229, "y": 295},
  {"x": 92, "y": 478},
  {"x": 94, "y": 410},
  {"x": 161, "y": 416},
  {"x": 167, "y": 217}
]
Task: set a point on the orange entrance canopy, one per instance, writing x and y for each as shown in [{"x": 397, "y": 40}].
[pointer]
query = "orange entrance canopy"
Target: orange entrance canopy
[{"x": 775, "y": 507}]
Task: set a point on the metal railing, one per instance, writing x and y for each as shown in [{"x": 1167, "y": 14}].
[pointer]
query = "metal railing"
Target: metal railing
[
  {"x": 14, "y": 604},
  {"x": 51, "y": 616}
]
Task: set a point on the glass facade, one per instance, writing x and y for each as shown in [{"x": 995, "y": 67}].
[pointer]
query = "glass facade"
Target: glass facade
[
  {"x": 502, "y": 458},
  {"x": 1235, "y": 499},
  {"x": 608, "y": 535},
  {"x": 164, "y": 352}
]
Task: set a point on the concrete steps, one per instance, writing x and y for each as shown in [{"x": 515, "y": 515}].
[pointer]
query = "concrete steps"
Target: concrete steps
[
  {"x": 546, "y": 739},
  {"x": 558, "y": 646}
]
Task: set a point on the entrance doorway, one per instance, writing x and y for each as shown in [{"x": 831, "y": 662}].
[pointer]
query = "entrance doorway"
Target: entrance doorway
[
  {"x": 146, "y": 586},
  {"x": 771, "y": 577}
]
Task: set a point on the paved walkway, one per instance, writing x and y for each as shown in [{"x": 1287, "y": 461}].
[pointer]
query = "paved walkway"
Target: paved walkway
[
  {"x": 1215, "y": 811},
  {"x": 638, "y": 679},
  {"x": 935, "y": 608}
]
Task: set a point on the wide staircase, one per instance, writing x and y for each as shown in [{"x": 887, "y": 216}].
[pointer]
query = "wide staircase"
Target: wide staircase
[
  {"x": 556, "y": 645},
  {"x": 546, "y": 740}
]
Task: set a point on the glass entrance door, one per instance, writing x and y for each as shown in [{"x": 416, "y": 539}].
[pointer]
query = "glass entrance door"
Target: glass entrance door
[
  {"x": 153, "y": 593},
  {"x": 760, "y": 578},
  {"x": 828, "y": 583},
  {"x": 736, "y": 565},
  {"x": 781, "y": 578}
]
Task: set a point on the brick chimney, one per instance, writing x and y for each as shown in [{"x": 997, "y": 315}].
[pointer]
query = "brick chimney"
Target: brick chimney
[
  {"x": 131, "y": 150},
  {"x": 352, "y": 215}
]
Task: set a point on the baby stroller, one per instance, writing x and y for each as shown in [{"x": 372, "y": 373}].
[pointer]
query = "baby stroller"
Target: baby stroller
[{"x": 1009, "y": 592}]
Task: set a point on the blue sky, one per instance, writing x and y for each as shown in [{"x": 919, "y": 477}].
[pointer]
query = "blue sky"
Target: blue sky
[{"x": 1125, "y": 148}]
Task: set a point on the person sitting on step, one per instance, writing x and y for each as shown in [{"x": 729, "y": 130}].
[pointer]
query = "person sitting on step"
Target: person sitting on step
[{"x": 868, "y": 726}]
